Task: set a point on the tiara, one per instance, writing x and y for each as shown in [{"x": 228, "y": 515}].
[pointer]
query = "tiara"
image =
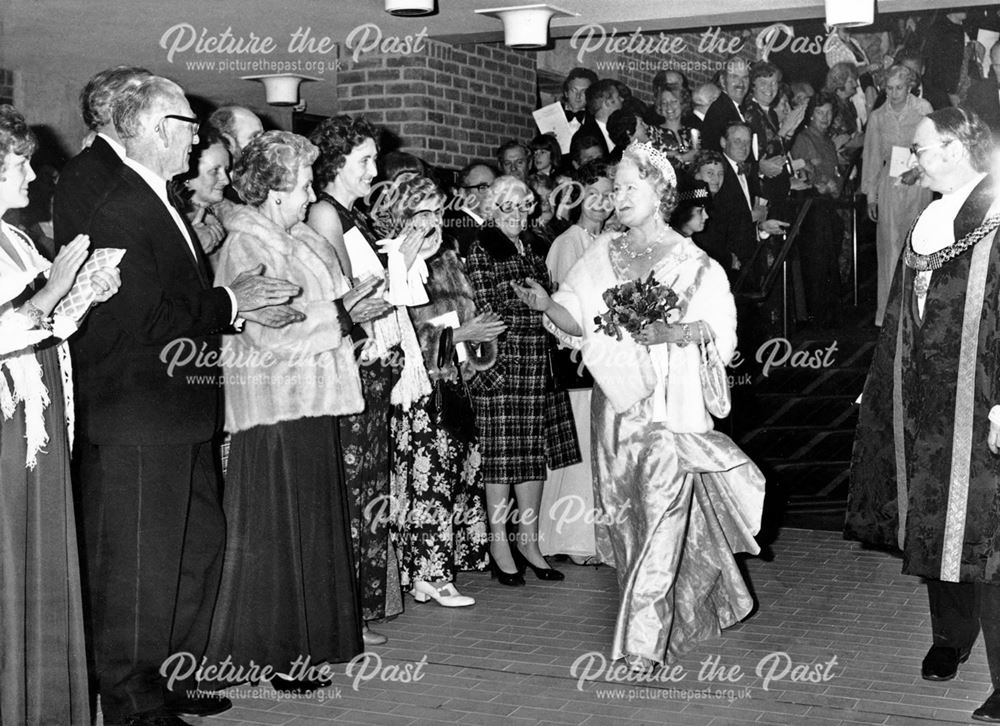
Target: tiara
[{"x": 657, "y": 158}]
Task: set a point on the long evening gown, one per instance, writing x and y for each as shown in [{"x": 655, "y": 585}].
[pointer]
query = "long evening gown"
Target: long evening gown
[
  {"x": 43, "y": 669},
  {"x": 680, "y": 498}
]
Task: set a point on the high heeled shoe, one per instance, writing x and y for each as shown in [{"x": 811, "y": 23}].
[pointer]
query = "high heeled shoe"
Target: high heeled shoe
[
  {"x": 446, "y": 594},
  {"x": 298, "y": 685},
  {"x": 542, "y": 573},
  {"x": 511, "y": 579}
]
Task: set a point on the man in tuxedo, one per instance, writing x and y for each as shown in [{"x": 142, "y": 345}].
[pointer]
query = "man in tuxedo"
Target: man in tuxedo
[
  {"x": 88, "y": 175},
  {"x": 574, "y": 96},
  {"x": 702, "y": 99},
  {"x": 737, "y": 221},
  {"x": 238, "y": 127},
  {"x": 726, "y": 108},
  {"x": 148, "y": 407},
  {"x": 924, "y": 475},
  {"x": 984, "y": 95},
  {"x": 603, "y": 99},
  {"x": 463, "y": 220}
]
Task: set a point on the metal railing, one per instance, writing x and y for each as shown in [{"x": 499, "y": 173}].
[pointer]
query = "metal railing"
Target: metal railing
[{"x": 779, "y": 266}]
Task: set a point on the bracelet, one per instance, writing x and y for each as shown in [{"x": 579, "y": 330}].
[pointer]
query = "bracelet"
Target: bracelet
[
  {"x": 687, "y": 336},
  {"x": 37, "y": 317}
]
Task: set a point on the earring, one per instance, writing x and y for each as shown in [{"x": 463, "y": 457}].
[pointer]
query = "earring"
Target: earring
[{"x": 278, "y": 202}]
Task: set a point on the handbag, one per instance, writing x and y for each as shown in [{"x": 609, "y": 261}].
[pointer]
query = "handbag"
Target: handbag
[
  {"x": 450, "y": 403},
  {"x": 714, "y": 379}
]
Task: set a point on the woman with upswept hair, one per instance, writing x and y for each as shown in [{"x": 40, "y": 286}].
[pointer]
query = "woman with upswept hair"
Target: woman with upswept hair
[{"x": 679, "y": 497}]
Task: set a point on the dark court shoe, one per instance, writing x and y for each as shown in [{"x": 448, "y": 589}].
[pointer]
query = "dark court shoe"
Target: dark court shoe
[
  {"x": 204, "y": 705},
  {"x": 990, "y": 710},
  {"x": 159, "y": 717},
  {"x": 298, "y": 685},
  {"x": 542, "y": 573},
  {"x": 510, "y": 579},
  {"x": 941, "y": 663}
]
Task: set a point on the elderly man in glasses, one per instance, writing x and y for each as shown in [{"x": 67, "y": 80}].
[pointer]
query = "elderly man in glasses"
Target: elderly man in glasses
[
  {"x": 148, "y": 410},
  {"x": 464, "y": 217},
  {"x": 925, "y": 476}
]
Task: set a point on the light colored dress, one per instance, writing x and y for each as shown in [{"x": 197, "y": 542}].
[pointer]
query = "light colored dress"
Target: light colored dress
[
  {"x": 43, "y": 668},
  {"x": 566, "y": 523},
  {"x": 680, "y": 497},
  {"x": 898, "y": 203}
]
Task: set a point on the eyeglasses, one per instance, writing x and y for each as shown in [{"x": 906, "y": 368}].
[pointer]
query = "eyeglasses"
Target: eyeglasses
[
  {"x": 480, "y": 187},
  {"x": 525, "y": 206},
  {"x": 918, "y": 150},
  {"x": 195, "y": 124}
]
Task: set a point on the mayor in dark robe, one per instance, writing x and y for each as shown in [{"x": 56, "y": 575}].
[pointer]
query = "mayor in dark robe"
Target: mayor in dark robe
[{"x": 925, "y": 476}]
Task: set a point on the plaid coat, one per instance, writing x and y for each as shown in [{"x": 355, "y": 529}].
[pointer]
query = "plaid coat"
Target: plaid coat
[{"x": 523, "y": 422}]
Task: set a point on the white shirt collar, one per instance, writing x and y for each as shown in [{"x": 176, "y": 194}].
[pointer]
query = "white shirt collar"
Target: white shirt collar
[
  {"x": 156, "y": 182},
  {"x": 115, "y": 146},
  {"x": 935, "y": 228}
]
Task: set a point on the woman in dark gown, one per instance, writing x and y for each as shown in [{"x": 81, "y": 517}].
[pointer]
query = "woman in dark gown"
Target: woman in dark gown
[{"x": 288, "y": 584}]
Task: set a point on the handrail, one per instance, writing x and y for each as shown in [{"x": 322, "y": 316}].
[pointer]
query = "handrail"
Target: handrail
[{"x": 772, "y": 273}]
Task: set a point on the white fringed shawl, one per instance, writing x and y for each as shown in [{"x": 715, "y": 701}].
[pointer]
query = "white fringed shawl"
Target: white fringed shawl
[{"x": 20, "y": 372}]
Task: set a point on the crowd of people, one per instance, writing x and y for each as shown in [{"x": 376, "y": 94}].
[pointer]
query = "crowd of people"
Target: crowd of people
[{"x": 314, "y": 381}]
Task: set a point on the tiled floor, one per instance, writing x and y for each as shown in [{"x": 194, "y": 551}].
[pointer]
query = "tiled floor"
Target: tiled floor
[{"x": 837, "y": 639}]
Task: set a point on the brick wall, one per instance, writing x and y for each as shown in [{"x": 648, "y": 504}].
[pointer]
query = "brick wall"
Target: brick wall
[
  {"x": 447, "y": 104},
  {"x": 6, "y": 86}
]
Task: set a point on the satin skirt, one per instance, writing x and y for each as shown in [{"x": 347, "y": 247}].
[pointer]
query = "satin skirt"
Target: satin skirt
[{"x": 677, "y": 506}]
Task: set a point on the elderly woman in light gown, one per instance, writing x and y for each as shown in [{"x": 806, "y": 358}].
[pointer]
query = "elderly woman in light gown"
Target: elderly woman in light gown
[
  {"x": 894, "y": 201},
  {"x": 681, "y": 498}
]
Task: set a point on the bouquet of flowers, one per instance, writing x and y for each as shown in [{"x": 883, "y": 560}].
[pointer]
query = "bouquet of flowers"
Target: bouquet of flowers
[{"x": 635, "y": 304}]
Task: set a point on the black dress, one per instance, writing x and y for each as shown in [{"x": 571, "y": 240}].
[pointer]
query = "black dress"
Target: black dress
[{"x": 288, "y": 583}]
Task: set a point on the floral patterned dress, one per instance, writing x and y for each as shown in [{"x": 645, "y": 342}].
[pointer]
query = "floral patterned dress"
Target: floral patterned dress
[
  {"x": 438, "y": 514},
  {"x": 439, "y": 519}
]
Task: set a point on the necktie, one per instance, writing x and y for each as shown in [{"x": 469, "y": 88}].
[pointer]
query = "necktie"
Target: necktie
[{"x": 741, "y": 168}]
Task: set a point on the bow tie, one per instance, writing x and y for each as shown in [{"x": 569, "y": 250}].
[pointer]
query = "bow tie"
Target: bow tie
[{"x": 578, "y": 115}]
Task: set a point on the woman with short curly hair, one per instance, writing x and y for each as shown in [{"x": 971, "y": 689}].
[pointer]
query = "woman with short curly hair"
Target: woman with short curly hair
[
  {"x": 288, "y": 587},
  {"x": 524, "y": 424},
  {"x": 679, "y": 498},
  {"x": 43, "y": 662},
  {"x": 439, "y": 520}
]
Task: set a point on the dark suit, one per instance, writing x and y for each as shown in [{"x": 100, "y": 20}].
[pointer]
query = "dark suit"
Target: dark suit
[
  {"x": 83, "y": 182},
  {"x": 461, "y": 229},
  {"x": 720, "y": 114},
  {"x": 590, "y": 128},
  {"x": 152, "y": 517},
  {"x": 984, "y": 99},
  {"x": 730, "y": 229}
]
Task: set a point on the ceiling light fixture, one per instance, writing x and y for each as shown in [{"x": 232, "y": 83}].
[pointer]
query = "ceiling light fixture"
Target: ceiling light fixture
[
  {"x": 850, "y": 13},
  {"x": 281, "y": 89},
  {"x": 526, "y": 26}
]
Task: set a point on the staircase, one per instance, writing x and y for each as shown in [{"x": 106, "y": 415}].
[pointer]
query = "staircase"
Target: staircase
[{"x": 796, "y": 417}]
